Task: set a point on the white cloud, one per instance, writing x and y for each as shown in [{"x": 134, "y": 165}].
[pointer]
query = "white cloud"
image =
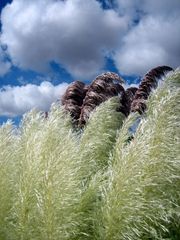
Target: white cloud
[
  {"x": 74, "y": 33},
  {"x": 145, "y": 7},
  {"x": 160, "y": 7},
  {"x": 17, "y": 100},
  {"x": 4, "y": 65},
  {"x": 154, "y": 40},
  {"x": 78, "y": 34},
  {"x": 128, "y": 7}
]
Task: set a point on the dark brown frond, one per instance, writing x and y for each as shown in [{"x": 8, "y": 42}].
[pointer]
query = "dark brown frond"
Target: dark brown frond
[
  {"x": 149, "y": 82},
  {"x": 124, "y": 104},
  {"x": 130, "y": 94},
  {"x": 109, "y": 77},
  {"x": 73, "y": 99},
  {"x": 102, "y": 88}
]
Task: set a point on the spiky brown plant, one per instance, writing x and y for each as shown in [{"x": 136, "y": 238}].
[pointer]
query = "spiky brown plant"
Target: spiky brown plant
[
  {"x": 149, "y": 82},
  {"x": 102, "y": 88},
  {"x": 73, "y": 99}
]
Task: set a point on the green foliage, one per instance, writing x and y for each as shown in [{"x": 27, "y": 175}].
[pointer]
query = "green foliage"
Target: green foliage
[{"x": 100, "y": 183}]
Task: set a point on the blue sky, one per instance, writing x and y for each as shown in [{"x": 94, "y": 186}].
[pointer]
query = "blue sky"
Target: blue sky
[{"x": 45, "y": 45}]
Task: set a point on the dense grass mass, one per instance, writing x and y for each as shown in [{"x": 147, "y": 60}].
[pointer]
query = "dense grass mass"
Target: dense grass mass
[{"x": 100, "y": 183}]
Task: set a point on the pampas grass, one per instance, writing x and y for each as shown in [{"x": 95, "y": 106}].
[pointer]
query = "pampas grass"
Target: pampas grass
[
  {"x": 7, "y": 176},
  {"x": 103, "y": 182},
  {"x": 142, "y": 199},
  {"x": 45, "y": 187}
]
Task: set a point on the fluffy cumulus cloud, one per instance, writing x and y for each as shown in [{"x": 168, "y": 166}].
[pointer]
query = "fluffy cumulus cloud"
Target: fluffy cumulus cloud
[
  {"x": 75, "y": 33},
  {"x": 154, "y": 40},
  {"x": 17, "y": 100}
]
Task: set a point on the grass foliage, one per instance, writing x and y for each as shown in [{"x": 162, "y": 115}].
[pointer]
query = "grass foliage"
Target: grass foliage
[{"x": 57, "y": 183}]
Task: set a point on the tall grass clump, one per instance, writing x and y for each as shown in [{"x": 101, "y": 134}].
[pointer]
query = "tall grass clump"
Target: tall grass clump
[
  {"x": 95, "y": 145},
  {"x": 103, "y": 182},
  {"x": 45, "y": 187},
  {"x": 142, "y": 197}
]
